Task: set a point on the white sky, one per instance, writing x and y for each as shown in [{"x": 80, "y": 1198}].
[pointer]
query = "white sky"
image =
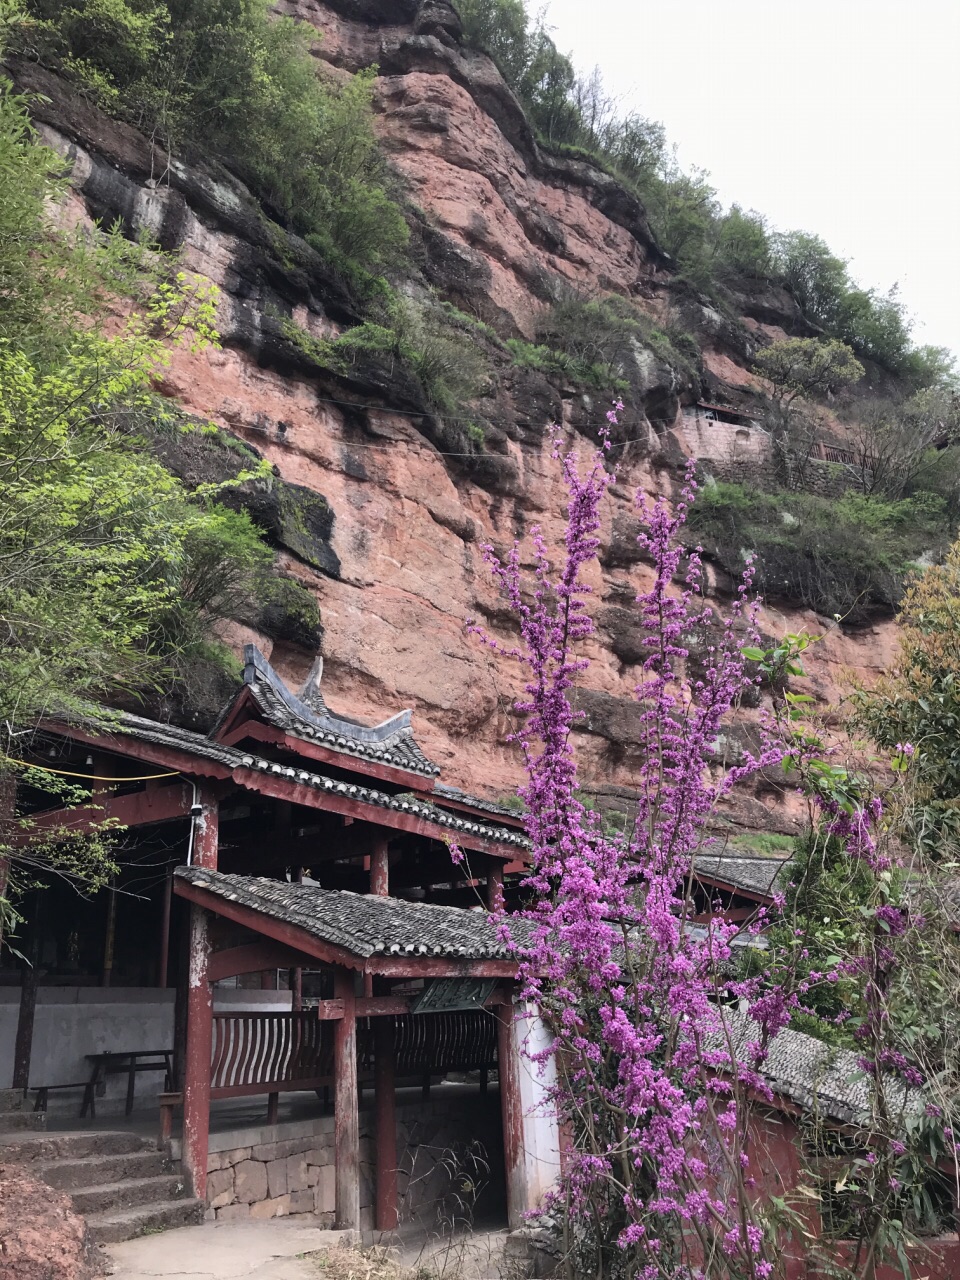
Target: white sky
[{"x": 838, "y": 117}]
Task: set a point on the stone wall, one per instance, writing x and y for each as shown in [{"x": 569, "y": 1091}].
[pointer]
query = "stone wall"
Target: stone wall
[
  {"x": 275, "y": 1171},
  {"x": 737, "y": 454},
  {"x": 272, "y": 1172},
  {"x": 830, "y": 479}
]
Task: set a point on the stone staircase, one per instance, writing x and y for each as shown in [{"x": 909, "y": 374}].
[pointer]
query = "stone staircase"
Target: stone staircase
[
  {"x": 122, "y": 1185},
  {"x": 15, "y": 1116}
]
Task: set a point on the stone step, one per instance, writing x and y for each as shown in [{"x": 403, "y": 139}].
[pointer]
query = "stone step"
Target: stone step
[
  {"x": 22, "y": 1121},
  {"x": 95, "y": 1171},
  {"x": 29, "y": 1148},
  {"x": 123, "y": 1224},
  {"x": 131, "y": 1193},
  {"x": 11, "y": 1100}
]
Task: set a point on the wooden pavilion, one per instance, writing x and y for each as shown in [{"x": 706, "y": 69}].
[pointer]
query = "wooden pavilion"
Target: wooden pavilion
[{"x": 300, "y": 841}]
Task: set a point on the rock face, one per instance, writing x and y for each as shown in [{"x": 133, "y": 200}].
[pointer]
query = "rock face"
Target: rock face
[
  {"x": 41, "y": 1238},
  {"x": 379, "y": 507}
]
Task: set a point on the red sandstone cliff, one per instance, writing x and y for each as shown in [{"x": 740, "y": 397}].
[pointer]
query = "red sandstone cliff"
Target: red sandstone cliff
[{"x": 400, "y": 568}]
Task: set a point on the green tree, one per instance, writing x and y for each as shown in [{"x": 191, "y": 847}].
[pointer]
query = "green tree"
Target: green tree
[
  {"x": 231, "y": 79},
  {"x": 917, "y": 706},
  {"x": 816, "y": 277},
  {"x": 111, "y": 573},
  {"x": 805, "y": 368},
  {"x": 742, "y": 245}
]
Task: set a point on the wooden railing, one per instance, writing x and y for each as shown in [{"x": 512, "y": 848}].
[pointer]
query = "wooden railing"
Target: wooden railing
[
  {"x": 434, "y": 1043},
  {"x": 266, "y": 1052}
]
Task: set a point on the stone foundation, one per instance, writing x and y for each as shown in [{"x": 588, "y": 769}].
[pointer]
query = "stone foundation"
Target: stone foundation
[
  {"x": 272, "y": 1172},
  {"x": 276, "y": 1171}
]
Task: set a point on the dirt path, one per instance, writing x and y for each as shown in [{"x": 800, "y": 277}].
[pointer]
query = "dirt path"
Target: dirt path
[{"x": 277, "y": 1249}]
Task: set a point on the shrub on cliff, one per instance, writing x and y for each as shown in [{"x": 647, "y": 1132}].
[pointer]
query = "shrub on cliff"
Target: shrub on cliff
[
  {"x": 229, "y": 78},
  {"x": 601, "y": 342},
  {"x": 448, "y": 363},
  {"x": 845, "y": 557}
]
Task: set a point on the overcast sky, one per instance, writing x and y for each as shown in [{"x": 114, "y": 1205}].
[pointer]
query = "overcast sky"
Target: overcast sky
[{"x": 840, "y": 117}]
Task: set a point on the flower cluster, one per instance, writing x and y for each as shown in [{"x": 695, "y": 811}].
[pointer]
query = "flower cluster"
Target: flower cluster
[{"x": 652, "y": 1072}]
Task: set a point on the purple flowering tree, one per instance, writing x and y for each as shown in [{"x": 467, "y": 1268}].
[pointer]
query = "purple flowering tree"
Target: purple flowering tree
[{"x": 659, "y": 1038}]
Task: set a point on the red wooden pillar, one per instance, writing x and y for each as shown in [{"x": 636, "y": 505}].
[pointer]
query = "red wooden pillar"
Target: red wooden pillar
[
  {"x": 163, "y": 965},
  {"x": 386, "y": 1105},
  {"x": 196, "y": 1090},
  {"x": 206, "y": 826},
  {"x": 511, "y": 1109},
  {"x": 380, "y": 869},
  {"x": 495, "y": 886},
  {"x": 346, "y": 1106}
]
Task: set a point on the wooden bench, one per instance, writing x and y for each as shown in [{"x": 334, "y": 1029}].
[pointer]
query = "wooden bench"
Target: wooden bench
[
  {"x": 127, "y": 1063},
  {"x": 89, "y": 1096}
]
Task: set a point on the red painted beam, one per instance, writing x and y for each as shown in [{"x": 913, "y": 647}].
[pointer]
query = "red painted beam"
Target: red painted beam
[
  {"x": 380, "y": 869},
  {"x": 381, "y": 1006},
  {"x": 495, "y": 888},
  {"x": 281, "y": 788},
  {"x": 308, "y": 750},
  {"x": 329, "y": 1010},
  {"x": 439, "y": 967},
  {"x": 287, "y": 934},
  {"x": 253, "y": 958},
  {"x": 124, "y": 744},
  {"x": 138, "y": 809}
]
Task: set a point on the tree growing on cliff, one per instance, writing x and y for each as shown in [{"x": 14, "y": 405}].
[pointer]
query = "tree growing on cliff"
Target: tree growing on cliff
[
  {"x": 918, "y": 703},
  {"x": 231, "y": 79},
  {"x": 111, "y": 573},
  {"x": 804, "y": 368},
  {"x": 900, "y": 446}
]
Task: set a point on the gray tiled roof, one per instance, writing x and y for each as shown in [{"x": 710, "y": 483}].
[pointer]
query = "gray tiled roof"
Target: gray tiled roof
[
  {"x": 817, "y": 1076},
  {"x": 753, "y": 875},
  {"x": 206, "y": 748},
  {"x": 307, "y": 716},
  {"x": 446, "y": 792},
  {"x": 364, "y": 925}
]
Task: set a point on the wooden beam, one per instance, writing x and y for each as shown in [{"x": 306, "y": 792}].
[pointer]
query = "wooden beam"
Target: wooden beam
[
  {"x": 439, "y": 967},
  {"x": 378, "y": 1006},
  {"x": 125, "y": 744},
  {"x": 385, "y": 1103},
  {"x": 346, "y": 1107},
  {"x": 281, "y": 788},
  {"x": 196, "y": 1093},
  {"x": 251, "y": 958},
  {"x": 310, "y": 797},
  {"x": 138, "y": 809},
  {"x": 495, "y": 887},
  {"x": 287, "y": 934}
]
